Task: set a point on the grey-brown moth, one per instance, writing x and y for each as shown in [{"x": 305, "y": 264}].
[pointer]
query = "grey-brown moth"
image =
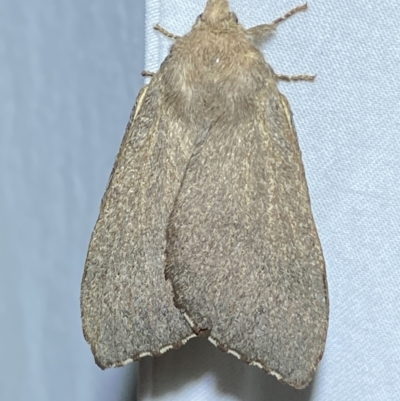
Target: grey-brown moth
[{"x": 206, "y": 227}]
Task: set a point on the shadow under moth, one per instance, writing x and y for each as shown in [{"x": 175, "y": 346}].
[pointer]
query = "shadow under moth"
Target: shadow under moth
[{"x": 206, "y": 227}]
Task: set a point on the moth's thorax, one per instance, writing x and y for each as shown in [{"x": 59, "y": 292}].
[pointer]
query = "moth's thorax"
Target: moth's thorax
[{"x": 209, "y": 68}]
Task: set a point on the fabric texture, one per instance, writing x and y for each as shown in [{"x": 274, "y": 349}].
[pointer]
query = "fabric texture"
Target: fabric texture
[
  {"x": 69, "y": 75},
  {"x": 347, "y": 122}
]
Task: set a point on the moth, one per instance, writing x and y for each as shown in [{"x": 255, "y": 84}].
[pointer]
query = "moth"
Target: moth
[{"x": 206, "y": 226}]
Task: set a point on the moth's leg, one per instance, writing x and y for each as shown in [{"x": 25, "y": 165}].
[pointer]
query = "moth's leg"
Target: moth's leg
[
  {"x": 260, "y": 32},
  {"x": 168, "y": 34},
  {"x": 146, "y": 73},
  {"x": 302, "y": 77}
]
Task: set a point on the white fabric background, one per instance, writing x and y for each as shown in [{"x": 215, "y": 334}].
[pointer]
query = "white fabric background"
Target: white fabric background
[{"x": 69, "y": 74}]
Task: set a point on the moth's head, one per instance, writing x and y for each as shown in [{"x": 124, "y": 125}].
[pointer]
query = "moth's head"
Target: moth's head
[{"x": 217, "y": 12}]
